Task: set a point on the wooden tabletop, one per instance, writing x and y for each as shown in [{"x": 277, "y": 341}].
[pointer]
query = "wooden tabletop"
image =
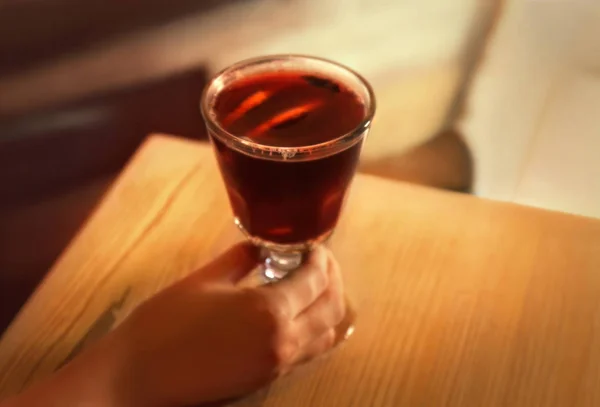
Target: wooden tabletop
[{"x": 461, "y": 301}]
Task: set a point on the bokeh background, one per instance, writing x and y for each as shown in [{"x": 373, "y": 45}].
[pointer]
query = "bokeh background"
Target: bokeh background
[{"x": 500, "y": 98}]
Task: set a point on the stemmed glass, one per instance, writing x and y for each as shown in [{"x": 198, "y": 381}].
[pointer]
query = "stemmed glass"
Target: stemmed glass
[{"x": 287, "y": 199}]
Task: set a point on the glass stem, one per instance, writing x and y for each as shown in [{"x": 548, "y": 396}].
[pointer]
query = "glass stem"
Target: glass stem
[{"x": 277, "y": 264}]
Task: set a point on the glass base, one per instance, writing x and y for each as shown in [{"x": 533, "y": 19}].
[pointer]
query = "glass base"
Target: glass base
[
  {"x": 278, "y": 264},
  {"x": 281, "y": 259}
]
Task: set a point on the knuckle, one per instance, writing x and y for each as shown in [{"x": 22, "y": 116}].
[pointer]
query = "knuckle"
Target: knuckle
[
  {"x": 339, "y": 314},
  {"x": 320, "y": 281},
  {"x": 334, "y": 266},
  {"x": 264, "y": 304},
  {"x": 319, "y": 258},
  {"x": 337, "y": 304},
  {"x": 329, "y": 339},
  {"x": 341, "y": 308},
  {"x": 281, "y": 344},
  {"x": 285, "y": 351},
  {"x": 283, "y": 347}
]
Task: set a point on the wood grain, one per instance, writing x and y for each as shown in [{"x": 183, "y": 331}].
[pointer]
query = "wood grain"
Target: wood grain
[{"x": 461, "y": 301}]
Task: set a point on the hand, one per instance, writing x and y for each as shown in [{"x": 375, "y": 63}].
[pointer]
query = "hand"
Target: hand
[{"x": 206, "y": 339}]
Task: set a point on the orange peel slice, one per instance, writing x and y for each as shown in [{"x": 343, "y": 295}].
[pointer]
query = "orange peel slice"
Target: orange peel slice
[
  {"x": 284, "y": 116},
  {"x": 247, "y": 104}
]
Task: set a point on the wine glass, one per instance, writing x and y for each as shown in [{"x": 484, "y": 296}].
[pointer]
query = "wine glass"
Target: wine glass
[{"x": 286, "y": 193}]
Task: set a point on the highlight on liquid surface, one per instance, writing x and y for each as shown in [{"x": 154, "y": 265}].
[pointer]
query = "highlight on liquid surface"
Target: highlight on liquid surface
[
  {"x": 287, "y": 202},
  {"x": 288, "y": 109}
]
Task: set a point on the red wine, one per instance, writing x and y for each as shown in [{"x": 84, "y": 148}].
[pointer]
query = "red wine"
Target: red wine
[{"x": 287, "y": 201}]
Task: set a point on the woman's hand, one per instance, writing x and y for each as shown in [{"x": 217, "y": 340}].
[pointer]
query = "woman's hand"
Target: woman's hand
[{"x": 205, "y": 338}]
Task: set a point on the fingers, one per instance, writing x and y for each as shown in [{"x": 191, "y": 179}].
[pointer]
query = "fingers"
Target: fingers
[
  {"x": 326, "y": 312},
  {"x": 306, "y": 307},
  {"x": 302, "y": 287},
  {"x": 230, "y": 267}
]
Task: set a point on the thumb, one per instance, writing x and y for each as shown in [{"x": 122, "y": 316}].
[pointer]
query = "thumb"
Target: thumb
[{"x": 230, "y": 266}]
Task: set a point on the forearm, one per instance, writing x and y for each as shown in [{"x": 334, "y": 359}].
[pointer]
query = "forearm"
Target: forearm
[{"x": 90, "y": 380}]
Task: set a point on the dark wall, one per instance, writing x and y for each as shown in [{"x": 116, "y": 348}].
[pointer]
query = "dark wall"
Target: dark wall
[
  {"x": 56, "y": 164},
  {"x": 34, "y": 30}
]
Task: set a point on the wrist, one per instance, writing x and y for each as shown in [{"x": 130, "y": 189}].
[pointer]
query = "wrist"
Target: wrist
[
  {"x": 91, "y": 379},
  {"x": 96, "y": 377},
  {"x": 99, "y": 374}
]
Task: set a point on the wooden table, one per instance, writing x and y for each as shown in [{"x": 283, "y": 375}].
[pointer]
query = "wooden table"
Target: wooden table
[{"x": 461, "y": 301}]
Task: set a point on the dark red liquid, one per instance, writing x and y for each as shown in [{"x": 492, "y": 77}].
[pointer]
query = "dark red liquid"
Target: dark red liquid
[{"x": 287, "y": 201}]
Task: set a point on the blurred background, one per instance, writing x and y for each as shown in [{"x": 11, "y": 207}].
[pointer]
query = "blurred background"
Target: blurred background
[{"x": 499, "y": 98}]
